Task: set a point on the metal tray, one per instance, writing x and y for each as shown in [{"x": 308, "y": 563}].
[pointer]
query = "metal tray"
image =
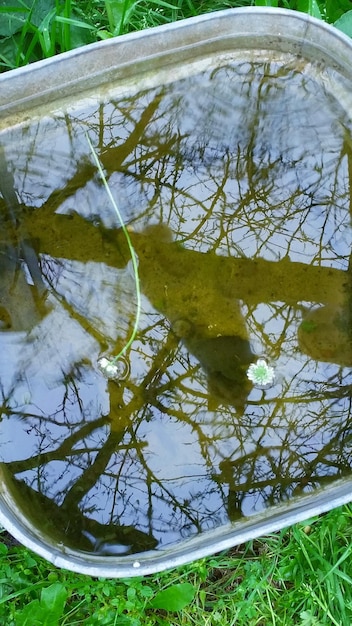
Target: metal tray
[{"x": 130, "y": 64}]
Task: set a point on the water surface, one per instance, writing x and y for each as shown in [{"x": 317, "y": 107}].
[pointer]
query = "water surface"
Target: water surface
[{"x": 235, "y": 184}]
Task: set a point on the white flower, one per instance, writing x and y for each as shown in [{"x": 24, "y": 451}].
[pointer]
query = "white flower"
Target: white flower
[
  {"x": 114, "y": 369},
  {"x": 109, "y": 369},
  {"x": 261, "y": 374}
]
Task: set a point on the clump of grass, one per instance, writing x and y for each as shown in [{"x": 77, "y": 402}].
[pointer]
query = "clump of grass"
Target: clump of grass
[{"x": 31, "y": 30}]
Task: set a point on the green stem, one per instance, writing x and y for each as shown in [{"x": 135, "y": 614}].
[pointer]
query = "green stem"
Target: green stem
[{"x": 131, "y": 249}]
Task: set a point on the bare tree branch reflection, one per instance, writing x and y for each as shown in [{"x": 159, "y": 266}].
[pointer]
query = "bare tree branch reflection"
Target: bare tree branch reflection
[{"x": 241, "y": 227}]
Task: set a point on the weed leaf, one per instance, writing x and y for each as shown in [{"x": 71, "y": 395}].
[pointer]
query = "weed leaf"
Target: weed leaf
[
  {"x": 53, "y": 599},
  {"x": 12, "y": 17},
  {"x": 46, "y": 611},
  {"x": 344, "y": 23},
  {"x": 31, "y": 615},
  {"x": 335, "y": 8},
  {"x": 174, "y": 598}
]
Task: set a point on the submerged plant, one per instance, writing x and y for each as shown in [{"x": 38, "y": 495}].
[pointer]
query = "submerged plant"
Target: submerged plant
[
  {"x": 110, "y": 367},
  {"x": 261, "y": 374}
]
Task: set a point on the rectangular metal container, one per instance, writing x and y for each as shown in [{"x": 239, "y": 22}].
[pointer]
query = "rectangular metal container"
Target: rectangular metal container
[{"x": 130, "y": 64}]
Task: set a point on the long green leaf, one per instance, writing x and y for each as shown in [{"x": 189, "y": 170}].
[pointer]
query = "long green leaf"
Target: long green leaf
[
  {"x": 344, "y": 23},
  {"x": 311, "y": 7}
]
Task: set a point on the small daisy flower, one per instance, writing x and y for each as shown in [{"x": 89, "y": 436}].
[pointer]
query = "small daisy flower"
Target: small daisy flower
[
  {"x": 109, "y": 369},
  {"x": 114, "y": 370},
  {"x": 261, "y": 374}
]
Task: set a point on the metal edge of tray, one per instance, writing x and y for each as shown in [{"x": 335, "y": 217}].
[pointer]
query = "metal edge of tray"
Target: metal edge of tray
[
  {"x": 210, "y": 542},
  {"x": 92, "y": 66}
]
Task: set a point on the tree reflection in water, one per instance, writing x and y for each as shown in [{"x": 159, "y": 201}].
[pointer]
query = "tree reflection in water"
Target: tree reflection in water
[{"x": 241, "y": 226}]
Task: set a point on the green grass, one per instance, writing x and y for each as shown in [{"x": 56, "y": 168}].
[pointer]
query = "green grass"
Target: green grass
[
  {"x": 35, "y": 29},
  {"x": 301, "y": 575}
]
